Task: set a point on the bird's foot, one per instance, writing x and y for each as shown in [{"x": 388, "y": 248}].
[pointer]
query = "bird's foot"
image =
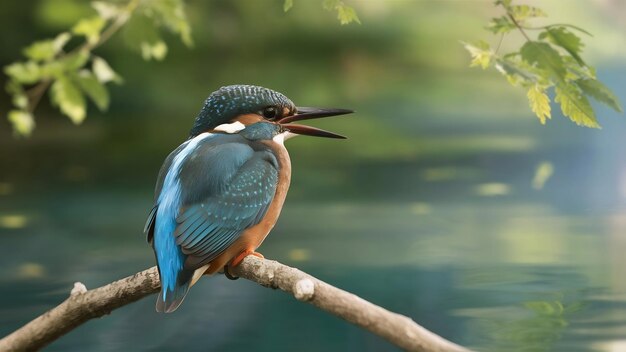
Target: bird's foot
[
  {"x": 237, "y": 260},
  {"x": 228, "y": 275}
]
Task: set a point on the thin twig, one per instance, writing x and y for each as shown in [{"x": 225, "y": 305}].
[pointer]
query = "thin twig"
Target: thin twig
[
  {"x": 518, "y": 27},
  {"x": 35, "y": 93},
  {"x": 83, "y": 305},
  {"x": 116, "y": 25},
  {"x": 499, "y": 43}
]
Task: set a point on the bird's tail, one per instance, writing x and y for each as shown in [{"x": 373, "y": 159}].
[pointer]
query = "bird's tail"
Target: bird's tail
[{"x": 169, "y": 299}]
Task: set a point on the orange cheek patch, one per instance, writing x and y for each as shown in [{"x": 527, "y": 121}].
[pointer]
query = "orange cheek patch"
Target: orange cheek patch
[{"x": 248, "y": 119}]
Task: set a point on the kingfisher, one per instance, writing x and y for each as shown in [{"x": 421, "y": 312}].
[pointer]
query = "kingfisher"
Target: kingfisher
[{"x": 220, "y": 193}]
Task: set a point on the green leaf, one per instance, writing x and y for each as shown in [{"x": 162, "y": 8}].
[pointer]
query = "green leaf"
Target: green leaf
[
  {"x": 45, "y": 50},
  {"x": 572, "y": 27},
  {"x": 346, "y": 15},
  {"x": 505, "y": 3},
  {"x": 566, "y": 40},
  {"x": 287, "y": 5},
  {"x": 95, "y": 90},
  {"x": 24, "y": 72},
  {"x": 514, "y": 71},
  {"x": 68, "y": 97},
  {"x": 543, "y": 56},
  {"x": 69, "y": 63},
  {"x": 104, "y": 73},
  {"x": 500, "y": 25},
  {"x": 52, "y": 69},
  {"x": 22, "y": 121},
  {"x": 156, "y": 51},
  {"x": 171, "y": 13},
  {"x": 90, "y": 28},
  {"x": 19, "y": 97},
  {"x": 481, "y": 53},
  {"x": 61, "y": 40},
  {"x": 575, "y": 105},
  {"x": 599, "y": 92},
  {"x": 75, "y": 61},
  {"x": 20, "y": 101},
  {"x": 523, "y": 12},
  {"x": 576, "y": 71},
  {"x": 106, "y": 10},
  {"x": 42, "y": 50},
  {"x": 539, "y": 102}
]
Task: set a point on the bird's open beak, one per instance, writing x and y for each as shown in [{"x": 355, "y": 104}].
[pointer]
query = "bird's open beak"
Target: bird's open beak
[
  {"x": 310, "y": 131},
  {"x": 305, "y": 113}
]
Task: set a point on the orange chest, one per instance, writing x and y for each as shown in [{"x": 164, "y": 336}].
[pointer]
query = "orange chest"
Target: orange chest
[{"x": 255, "y": 235}]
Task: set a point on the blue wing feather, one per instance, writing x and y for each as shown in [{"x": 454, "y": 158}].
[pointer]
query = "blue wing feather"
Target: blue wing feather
[
  {"x": 242, "y": 204},
  {"x": 208, "y": 192},
  {"x": 197, "y": 237},
  {"x": 189, "y": 225}
]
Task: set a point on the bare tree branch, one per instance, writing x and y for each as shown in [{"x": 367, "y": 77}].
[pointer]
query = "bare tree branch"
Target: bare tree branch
[
  {"x": 83, "y": 305},
  {"x": 80, "y": 307},
  {"x": 395, "y": 328}
]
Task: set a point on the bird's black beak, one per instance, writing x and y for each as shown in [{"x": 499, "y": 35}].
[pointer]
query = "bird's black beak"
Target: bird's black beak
[
  {"x": 310, "y": 131},
  {"x": 306, "y": 113}
]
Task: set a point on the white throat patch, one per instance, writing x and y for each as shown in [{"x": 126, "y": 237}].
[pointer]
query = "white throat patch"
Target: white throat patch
[
  {"x": 282, "y": 137},
  {"x": 230, "y": 127}
]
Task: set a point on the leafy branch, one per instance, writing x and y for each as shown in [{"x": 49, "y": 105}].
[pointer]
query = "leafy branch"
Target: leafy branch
[
  {"x": 552, "y": 60},
  {"x": 345, "y": 14},
  {"x": 67, "y": 73},
  {"x": 73, "y": 75}
]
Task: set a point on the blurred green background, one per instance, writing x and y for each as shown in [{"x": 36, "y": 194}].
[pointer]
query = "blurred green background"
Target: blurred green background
[{"x": 449, "y": 203}]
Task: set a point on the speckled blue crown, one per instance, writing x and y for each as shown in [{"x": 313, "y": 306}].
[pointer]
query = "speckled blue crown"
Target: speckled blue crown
[{"x": 228, "y": 102}]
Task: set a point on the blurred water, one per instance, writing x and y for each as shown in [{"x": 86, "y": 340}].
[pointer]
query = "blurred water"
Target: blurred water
[{"x": 497, "y": 267}]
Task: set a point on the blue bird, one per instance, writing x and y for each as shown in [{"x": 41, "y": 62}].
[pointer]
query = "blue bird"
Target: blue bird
[{"x": 220, "y": 193}]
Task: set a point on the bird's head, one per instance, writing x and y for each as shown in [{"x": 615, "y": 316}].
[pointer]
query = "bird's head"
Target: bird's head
[{"x": 230, "y": 109}]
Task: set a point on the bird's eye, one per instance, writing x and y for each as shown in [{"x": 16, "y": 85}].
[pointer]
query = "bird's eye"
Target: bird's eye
[{"x": 270, "y": 112}]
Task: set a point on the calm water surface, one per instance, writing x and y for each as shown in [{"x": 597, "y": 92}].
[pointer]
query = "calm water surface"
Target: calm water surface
[{"x": 498, "y": 267}]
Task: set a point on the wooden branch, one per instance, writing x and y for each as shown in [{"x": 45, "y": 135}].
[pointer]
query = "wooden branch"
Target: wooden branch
[
  {"x": 395, "y": 328},
  {"x": 81, "y": 306},
  {"x": 84, "y": 304}
]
